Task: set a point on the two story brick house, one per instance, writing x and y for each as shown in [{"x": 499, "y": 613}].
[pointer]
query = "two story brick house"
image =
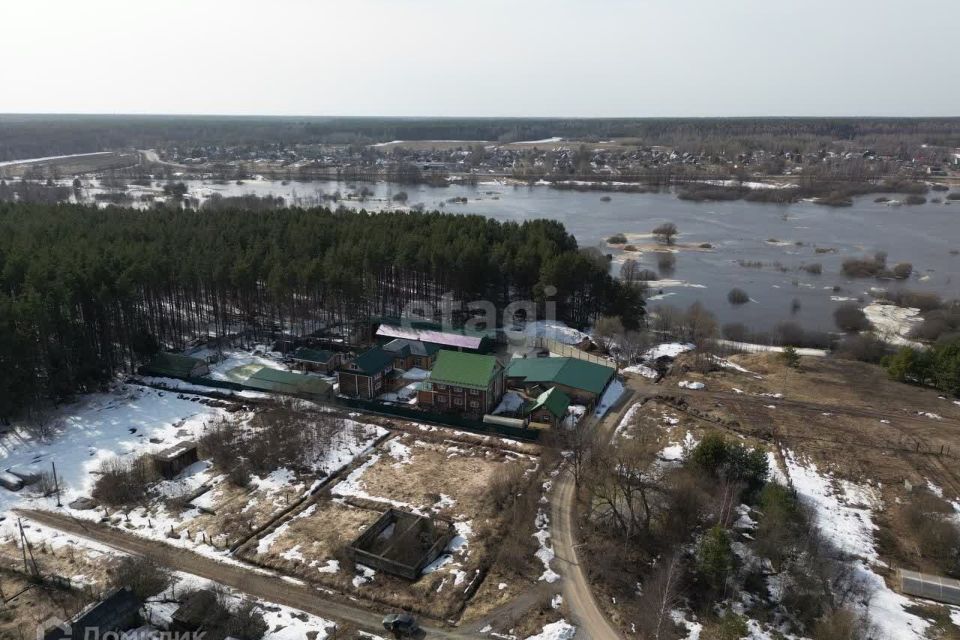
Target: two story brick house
[{"x": 466, "y": 383}]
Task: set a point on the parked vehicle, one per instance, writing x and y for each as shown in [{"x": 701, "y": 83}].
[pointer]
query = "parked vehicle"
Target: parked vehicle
[{"x": 401, "y": 625}]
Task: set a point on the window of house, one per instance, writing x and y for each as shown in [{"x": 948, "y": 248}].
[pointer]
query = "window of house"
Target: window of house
[
  {"x": 440, "y": 387},
  {"x": 442, "y": 399},
  {"x": 474, "y": 392},
  {"x": 474, "y": 404},
  {"x": 458, "y": 401}
]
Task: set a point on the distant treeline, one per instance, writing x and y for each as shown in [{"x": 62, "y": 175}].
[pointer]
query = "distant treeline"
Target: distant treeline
[
  {"x": 27, "y": 136},
  {"x": 86, "y": 293}
]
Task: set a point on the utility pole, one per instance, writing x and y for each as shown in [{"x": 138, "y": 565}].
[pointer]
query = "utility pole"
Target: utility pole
[
  {"x": 56, "y": 483},
  {"x": 25, "y": 549}
]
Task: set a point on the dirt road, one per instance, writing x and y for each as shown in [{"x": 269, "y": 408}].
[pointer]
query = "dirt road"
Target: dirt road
[
  {"x": 252, "y": 581},
  {"x": 589, "y": 619}
]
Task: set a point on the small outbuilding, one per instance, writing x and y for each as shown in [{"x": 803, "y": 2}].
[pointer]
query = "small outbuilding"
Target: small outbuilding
[
  {"x": 291, "y": 384},
  {"x": 175, "y": 365},
  {"x": 119, "y": 611},
  {"x": 550, "y": 408},
  {"x": 408, "y": 354},
  {"x": 317, "y": 360},
  {"x": 175, "y": 459}
]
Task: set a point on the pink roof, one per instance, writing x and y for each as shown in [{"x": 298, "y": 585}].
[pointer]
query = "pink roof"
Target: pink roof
[{"x": 436, "y": 337}]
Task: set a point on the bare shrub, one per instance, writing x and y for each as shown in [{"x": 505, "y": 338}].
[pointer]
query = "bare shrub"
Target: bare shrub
[
  {"x": 923, "y": 300},
  {"x": 863, "y": 347},
  {"x": 505, "y": 486},
  {"x": 738, "y": 296},
  {"x": 736, "y": 331},
  {"x": 841, "y": 624},
  {"x": 938, "y": 323},
  {"x": 666, "y": 261},
  {"x": 862, "y": 267},
  {"x": 142, "y": 575},
  {"x": 647, "y": 275},
  {"x": 850, "y": 317},
  {"x": 124, "y": 482},
  {"x": 814, "y": 268},
  {"x": 902, "y": 270}
]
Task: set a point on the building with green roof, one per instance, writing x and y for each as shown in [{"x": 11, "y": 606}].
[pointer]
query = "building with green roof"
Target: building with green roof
[
  {"x": 583, "y": 381},
  {"x": 175, "y": 365},
  {"x": 366, "y": 375},
  {"x": 467, "y": 383},
  {"x": 289, "y": 383},
  {"x": 550, "y": 407},
  {"x": 408, "y": 354},
  {"x": 320, "y": 360}
]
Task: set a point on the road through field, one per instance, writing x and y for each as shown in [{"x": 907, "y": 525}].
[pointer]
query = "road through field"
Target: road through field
[
  {"x": 589, "y": 619},
  {"x": 249, "y": 580}
]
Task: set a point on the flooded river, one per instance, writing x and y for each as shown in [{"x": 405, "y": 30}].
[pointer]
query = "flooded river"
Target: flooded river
[{"x": 782, "y": 238}]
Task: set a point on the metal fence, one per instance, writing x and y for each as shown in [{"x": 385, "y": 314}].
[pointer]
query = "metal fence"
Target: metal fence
[
  {"x": 444, "y": 420},
  {"x": 569, "y": 351}
]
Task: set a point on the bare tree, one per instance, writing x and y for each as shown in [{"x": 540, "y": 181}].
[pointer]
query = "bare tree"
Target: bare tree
[
  {"x": 666, "y": 232},
  {"x": 661, "y": 596}
]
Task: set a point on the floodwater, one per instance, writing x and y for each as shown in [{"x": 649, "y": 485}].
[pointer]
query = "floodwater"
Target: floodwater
[{"x": 781, "y": 237}]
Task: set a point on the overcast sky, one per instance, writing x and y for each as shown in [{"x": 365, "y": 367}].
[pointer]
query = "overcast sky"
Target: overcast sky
[{"x": 482, "y": 58}]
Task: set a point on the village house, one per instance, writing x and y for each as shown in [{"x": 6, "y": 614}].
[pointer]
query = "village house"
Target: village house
[
  {"x": 412, "y": 353},
  {"x": 549, "y": 409},
  {"x": 466, "y": 383},
  {"x": 366, "y": 375},
  {"x": 315, "y": 360},
  {"x": 583, "y": 381}
]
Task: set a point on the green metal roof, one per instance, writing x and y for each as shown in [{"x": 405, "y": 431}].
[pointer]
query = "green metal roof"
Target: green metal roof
[
  {"x": 373, "y": 361},
  {"x": 570, "y": 372},
  {"x": 173, "y": 365},
  {"x": 279, "y": 381},
  {"x": 554, "y": 400},
  {"x": 402, "y": 347},
  {"x": 306, "y": 354},
  {"x": 464, "y": 369}
]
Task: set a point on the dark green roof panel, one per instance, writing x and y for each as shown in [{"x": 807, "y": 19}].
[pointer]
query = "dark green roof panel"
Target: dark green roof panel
[{"x": 570, "y": 372}]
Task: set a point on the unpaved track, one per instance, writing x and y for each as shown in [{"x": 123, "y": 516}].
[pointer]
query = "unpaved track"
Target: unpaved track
[
  {"x": 577, "y": 595},
  {"x": 249, "y": 580}
]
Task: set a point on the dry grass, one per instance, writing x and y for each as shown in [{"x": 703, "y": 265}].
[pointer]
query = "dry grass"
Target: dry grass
[
  {"x": 850, "y": 420},
  {"x": 86, "y": 568},
  {"x": 236, "y": 511},
  {"x": 314, "y": 536}
]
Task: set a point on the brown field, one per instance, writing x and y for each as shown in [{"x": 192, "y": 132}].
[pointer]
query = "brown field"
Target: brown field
[
  {"x": 846, "y": 417},
  {"x": 72, "y": 166},
  {"x": 445, "y": 478},
  {"x": 28, "y": 604},
  {"x": 235, "y": 512}
]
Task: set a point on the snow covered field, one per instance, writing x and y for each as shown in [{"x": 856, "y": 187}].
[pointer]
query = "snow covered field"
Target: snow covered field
[
  {"x": 843, "y": 512},
  {"x": 130, "y": 419}
]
